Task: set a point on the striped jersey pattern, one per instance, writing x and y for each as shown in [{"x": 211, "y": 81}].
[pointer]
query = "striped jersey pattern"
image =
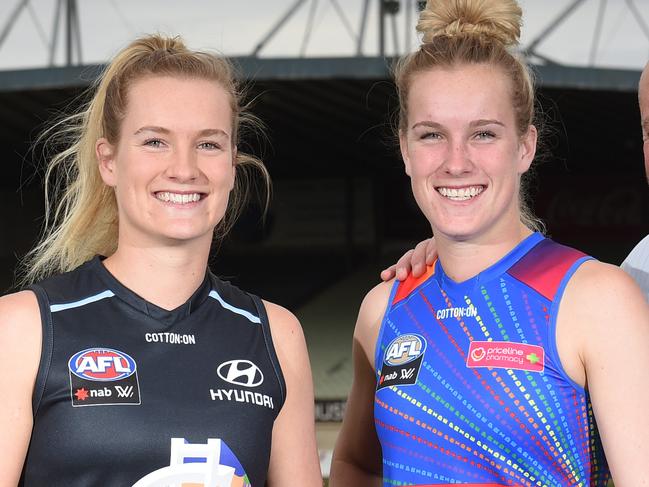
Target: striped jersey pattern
[{"x": 470, "y": 388}]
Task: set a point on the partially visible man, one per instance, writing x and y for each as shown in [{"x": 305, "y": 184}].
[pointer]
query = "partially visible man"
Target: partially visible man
[{"x": 637, "y": 263}]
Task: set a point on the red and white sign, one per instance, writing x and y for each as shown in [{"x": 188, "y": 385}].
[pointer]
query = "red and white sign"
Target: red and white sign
[{"x": 506, "y": 355}]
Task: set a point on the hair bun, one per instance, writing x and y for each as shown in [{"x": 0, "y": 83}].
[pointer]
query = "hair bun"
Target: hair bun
[{"x": 497, "y": 19}]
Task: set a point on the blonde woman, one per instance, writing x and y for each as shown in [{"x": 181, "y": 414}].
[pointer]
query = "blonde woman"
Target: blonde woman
[
  {"x": 128, "y": 362},
  {"x": 513, "y": 360}
]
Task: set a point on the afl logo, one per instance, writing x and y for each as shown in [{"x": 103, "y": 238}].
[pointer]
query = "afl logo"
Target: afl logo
[
  {"x": 404, "y": 349},
  {"x": 241, "y": 373},
  {"x": 101, "y": 364}
]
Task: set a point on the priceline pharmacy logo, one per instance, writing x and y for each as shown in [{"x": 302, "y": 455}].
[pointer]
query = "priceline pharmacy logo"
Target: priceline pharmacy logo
[{"x": 506, "y": 355}]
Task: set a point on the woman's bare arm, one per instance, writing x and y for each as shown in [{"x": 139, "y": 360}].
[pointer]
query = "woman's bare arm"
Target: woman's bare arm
[
  {"x": 294, "y": 456},
  {"x": 20, "y": 349},
  {"x": 605, "y": 313},
  {"x": 357, "y": 456}
]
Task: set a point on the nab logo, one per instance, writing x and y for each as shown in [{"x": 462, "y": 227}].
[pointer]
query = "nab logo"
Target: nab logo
[
  {"x": 241, "y": 373},
  {"x": 101, "y": 364},
  {"x": 404, "y": 349}
]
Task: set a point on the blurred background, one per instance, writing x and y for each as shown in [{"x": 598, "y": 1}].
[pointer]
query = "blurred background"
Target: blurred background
[{"x": 318, "y": 75}]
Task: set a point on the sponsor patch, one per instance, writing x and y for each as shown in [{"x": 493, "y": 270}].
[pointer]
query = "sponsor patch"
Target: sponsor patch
[
  {"x": 402, "y": 361},
  {"x": 168, "y": 337},
  {"x": 506, "y": 355},
  {"x": 102, "y": 377},
  {"x": 240, "y": 373}
]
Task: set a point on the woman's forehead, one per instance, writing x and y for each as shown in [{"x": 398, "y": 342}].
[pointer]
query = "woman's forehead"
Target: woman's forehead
[
  {"x": 164, "y": 100},
  {"x": 475, "y": 91}
]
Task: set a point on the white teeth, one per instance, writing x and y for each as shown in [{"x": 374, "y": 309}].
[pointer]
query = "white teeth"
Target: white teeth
[
  {"x": 181, "y": 199},
  {"x": 460, "y": 194}
]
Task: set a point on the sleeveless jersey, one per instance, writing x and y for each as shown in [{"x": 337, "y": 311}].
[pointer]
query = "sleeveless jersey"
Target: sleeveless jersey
[
  {"x": 128, "y": 393},
  {"x": 470, "y": 388}
]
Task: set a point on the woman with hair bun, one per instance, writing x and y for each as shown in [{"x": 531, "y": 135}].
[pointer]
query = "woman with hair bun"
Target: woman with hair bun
[
  {"x": 126, "y": 362},
  {"x": 513, "y": 360}
]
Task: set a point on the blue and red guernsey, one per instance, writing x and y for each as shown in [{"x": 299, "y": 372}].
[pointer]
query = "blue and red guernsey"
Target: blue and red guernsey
[{"x": 470, "y": 388}]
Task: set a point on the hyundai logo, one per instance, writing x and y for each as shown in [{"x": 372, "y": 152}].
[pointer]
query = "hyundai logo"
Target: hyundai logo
[{"x": 241, "y": 373}]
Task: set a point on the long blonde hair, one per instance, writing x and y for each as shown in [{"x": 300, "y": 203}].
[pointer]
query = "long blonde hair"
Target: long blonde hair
[
  {"x": 84, "y": 221},
  {"x": 457, "y": 32}
]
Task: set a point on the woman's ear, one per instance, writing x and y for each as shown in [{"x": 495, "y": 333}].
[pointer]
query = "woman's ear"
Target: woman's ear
[
  {"x": 527, "y": 149},
  {"x": 105, "y": 153},
  {"x": 403, "y": 147},
  {"x": 235, "y": 150}
]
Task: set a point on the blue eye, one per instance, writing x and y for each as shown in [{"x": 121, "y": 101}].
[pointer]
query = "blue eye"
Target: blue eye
[
  {"x": 485, "y": 134},
  {"x": 209, "y": 145},
  {"x": 155, "y": 143}
]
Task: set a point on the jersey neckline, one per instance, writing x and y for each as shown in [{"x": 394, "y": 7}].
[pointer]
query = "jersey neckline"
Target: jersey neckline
[
  {"x": 491, "y": 272},
  {"x": 166, "y": 317}
]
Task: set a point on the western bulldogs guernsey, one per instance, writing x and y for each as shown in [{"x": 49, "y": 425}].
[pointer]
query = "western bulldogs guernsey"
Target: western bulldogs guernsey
[
  {"x": 470, "y": 389},
  {"x": 130, "y": 394}
]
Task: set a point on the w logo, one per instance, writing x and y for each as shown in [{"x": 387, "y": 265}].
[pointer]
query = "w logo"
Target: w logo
[
  {"x": 126, "y": 391},
  {"x": 241, "y": 373}
]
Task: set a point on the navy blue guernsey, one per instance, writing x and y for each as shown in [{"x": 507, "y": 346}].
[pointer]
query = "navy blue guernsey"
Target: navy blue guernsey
[{"x": 128, "y": 393}]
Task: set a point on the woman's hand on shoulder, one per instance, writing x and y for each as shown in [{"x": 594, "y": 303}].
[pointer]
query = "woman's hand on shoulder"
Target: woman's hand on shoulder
[
  {"x": 612, "y": 319},
  {"x": 294, "y": 456},
  {"x": 20, "y": 350},
  {"x": 414, "y": 261}
]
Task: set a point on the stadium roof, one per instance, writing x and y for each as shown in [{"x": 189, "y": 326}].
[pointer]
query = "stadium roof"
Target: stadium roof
[{"x": 549, "y": 76}]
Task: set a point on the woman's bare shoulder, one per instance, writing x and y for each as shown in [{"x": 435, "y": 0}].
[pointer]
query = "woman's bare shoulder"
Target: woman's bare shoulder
[
  {"x": 20, "y": 324},
  {"x": 370, "y": 317},
  {"x": 601, "y": 295},
  {"x": 19, "y": 309}
]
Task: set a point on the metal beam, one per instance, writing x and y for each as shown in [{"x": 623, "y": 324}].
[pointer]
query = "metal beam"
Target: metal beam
[
  {"x": 69, "y": 9},
  {"x": 361, "y": 31},
  {"x": 638, "y": 18},
  {"x": 77, "y": 30},
  {"x": 55, "y": 30},
  {"x": 409, "y": 7},
  {"x": 343, "y": 19},
  {"x": 381, "y": 28},
  {"x": 309, "y": 27},
  {"x": 598, "y": 31},
  {"x": 395, "y": 34},
  {"x": 39, "y": 27},
  {"x": 552, "y": 26},
  {"x": 271, "y": 33},
  {"x": 12, "y": 20}
]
